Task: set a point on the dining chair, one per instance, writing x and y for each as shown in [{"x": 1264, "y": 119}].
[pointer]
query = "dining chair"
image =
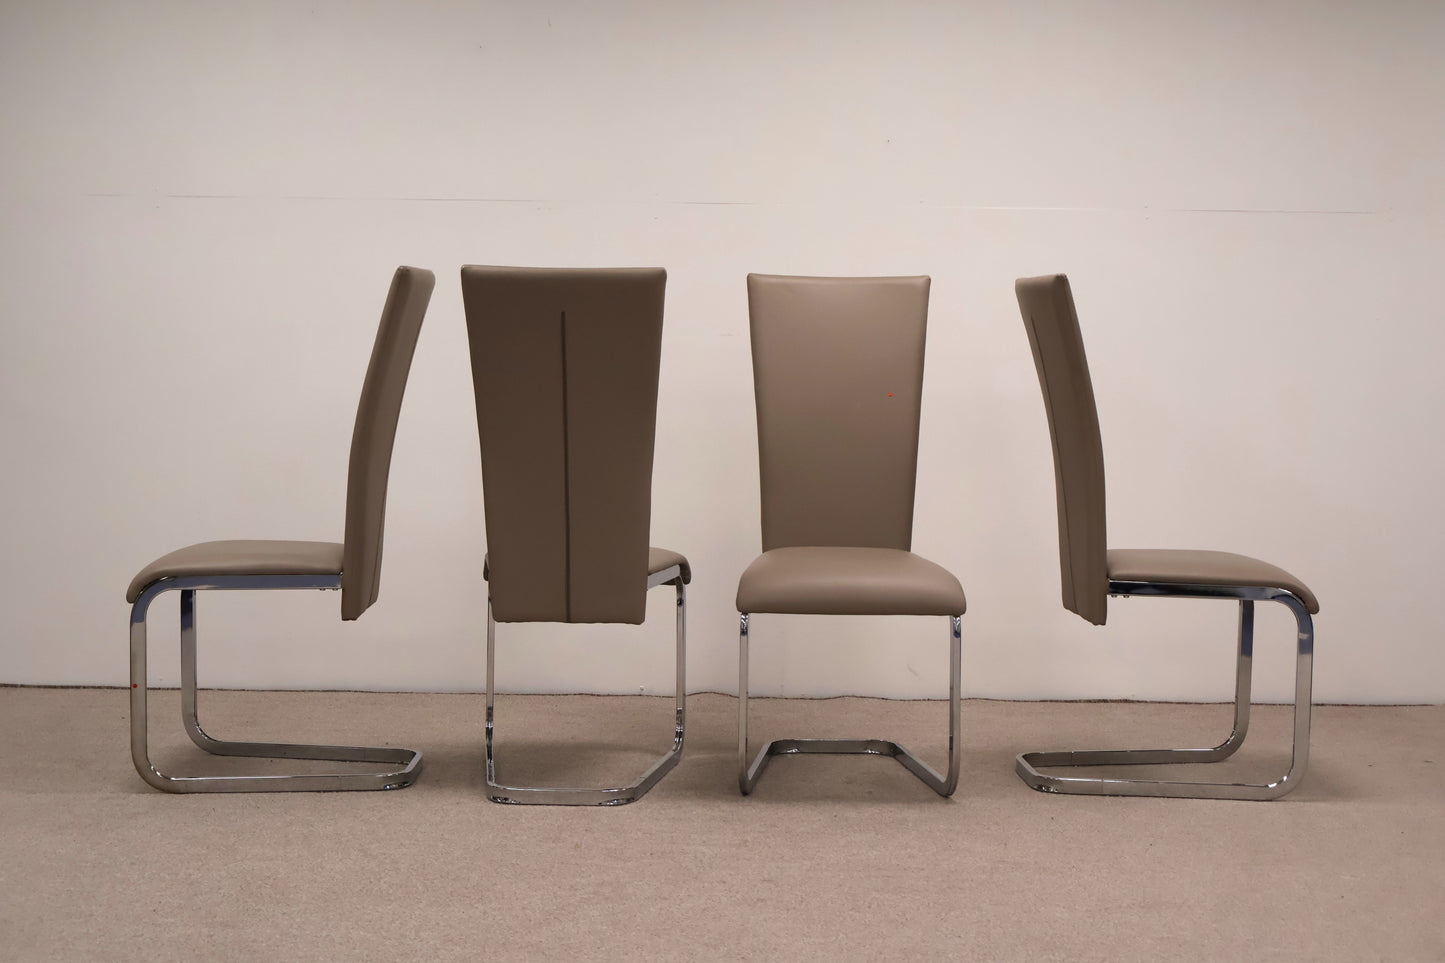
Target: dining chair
[
  {"x": 838, "y": 382},
  {"x": 353, "y": 566},
  {"x": 565, "y": 368},
  {"x": 1091, "y": 572}
]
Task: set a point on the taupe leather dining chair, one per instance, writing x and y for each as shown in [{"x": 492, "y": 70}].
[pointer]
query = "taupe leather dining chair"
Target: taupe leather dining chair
[
  {"x": 565, "y": 367},
  {"x": 353, "y": 566},
  {"x": 1091, "y": 572},
  {"x": 838, "y": 380}
]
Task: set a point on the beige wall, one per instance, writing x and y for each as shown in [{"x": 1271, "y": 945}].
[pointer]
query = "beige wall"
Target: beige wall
[{"x": 200, "y": 205}]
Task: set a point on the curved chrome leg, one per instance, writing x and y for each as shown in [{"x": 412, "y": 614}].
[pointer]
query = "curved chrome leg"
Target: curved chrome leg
[
  {"x": 408, "y": 760},
  {"x": 550, "y": 796},
  {"x": 748, "y": 774},
  {"x": 1029, "y": 763},
  {"x": 1243, "y": 679}
]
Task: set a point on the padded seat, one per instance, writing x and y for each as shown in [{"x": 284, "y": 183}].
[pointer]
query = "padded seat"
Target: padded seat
[
  {"x": 240, "y": 557},
  {"x": 658, "y": 559},
  {"x": 1184, "y": 567},
  {"x": 834, "y": 580}
]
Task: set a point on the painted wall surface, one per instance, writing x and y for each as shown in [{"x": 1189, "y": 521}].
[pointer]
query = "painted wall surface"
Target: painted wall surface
[{"x": 201, "y": 205}]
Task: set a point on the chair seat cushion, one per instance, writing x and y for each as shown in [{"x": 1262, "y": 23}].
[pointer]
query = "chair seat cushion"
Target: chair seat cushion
[
  {"x": 657, "y": 560},
  {"x": 662, "y": 558},
  {"x": 1203, "y": 568},
  {"x": 248, "y": 557},
  {"x": 833, "y": 580}
]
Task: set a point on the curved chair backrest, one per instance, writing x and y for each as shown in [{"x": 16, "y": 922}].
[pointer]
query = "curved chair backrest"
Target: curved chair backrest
[
  {"x": 375, "y": 431},
  {"x": 1047, "y": 306},
  {"x": 565, "y": 368},
  {"x": 838, "y": 377}
]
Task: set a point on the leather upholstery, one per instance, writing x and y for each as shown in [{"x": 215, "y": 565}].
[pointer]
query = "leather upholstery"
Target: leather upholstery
[
  {"x": 1047, "y": 306},
  {"x": 837, "y": 580},
  {"x": 661, "y": 558},
  {"x": 1204, "y": 568},
  {"x": 1086, "y": 564},
  {"x": 358, "y": 561},
  {"x": 374, "y": 434},
  {"x": 240, "y": 558},
  {"x": 565, "y": 370},
  {"x": 657, "y": 560},
  {"x": 838, "y": 376}
]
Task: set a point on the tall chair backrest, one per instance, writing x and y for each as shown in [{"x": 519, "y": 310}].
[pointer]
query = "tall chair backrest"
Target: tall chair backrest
[
  {"x": 1047, "y": 306},
  {"x": 374, "y": 434},
  {"x": 565, "y": 368},
  {"x": 838, "y": 378}
]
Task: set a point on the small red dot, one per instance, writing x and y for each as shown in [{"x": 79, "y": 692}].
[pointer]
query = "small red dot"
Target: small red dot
[
  {"x": 890, "y": 394},
  {"x": 135, "y": 685}
]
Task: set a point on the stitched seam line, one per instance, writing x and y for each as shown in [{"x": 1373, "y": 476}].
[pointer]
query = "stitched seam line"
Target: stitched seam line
[{"x": 566, "y": 479}]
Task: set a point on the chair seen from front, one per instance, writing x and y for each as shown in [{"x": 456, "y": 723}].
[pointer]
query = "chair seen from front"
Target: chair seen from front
[
  {"x": 1091, "y": 572},
  {"x": 565, "y": 366},
  {"x": 838, "y": 380},
  {"x": 353, "y": 566}
]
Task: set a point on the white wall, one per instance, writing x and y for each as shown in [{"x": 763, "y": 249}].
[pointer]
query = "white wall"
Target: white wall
[{"x": 201, "y": 204}]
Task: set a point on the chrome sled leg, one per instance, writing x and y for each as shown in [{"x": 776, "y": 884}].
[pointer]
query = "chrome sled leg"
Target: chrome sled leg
[
  {"x": 405, "y": 763},
  {"x": 1029, "y": 764},
  {"x": 621, "y": 795},
  {"x": 748, "y": 775}
]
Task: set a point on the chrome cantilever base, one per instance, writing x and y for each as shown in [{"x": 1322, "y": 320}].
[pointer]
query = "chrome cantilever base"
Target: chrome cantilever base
[
  {"x": 557, "y": 796},
  {"x": 406, "y": 761},
  {"x": 1028, "y": 763},
  {"x": 944, "y": 785}
]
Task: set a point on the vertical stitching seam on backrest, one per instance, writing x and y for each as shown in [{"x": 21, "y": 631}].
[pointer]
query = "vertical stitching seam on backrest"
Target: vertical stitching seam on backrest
[{"x": 566, "y": 482}]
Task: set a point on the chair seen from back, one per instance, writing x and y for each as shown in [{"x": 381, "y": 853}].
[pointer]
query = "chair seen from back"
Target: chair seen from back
[{"x": 565, "y": 366}]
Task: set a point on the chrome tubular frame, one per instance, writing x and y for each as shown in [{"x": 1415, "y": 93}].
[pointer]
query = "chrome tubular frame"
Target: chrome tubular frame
[
  {"x": 408, "y": 761},
  {"x": 558, "y": 796},
  {"x": 748, "y": 775},
  {"x": 1029, "y": 762}
]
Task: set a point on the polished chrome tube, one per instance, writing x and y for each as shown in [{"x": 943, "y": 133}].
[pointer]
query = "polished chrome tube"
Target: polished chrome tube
[
  {"x": 944, "y": 785},
  {"x": 1028, "y": 764},
  {"x": 559, "y": 796},
  {"x": 408, "y": 760}
]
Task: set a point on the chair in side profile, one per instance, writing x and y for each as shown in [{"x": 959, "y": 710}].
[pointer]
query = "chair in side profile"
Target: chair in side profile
[
  {"x": 1091, "y": 572},
  {"x": 353, "y": 566},
  {"x": 838, "y": 380},
  {"x": 565, "y": 367}
]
